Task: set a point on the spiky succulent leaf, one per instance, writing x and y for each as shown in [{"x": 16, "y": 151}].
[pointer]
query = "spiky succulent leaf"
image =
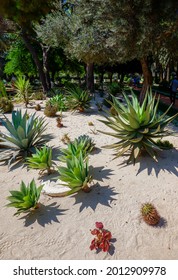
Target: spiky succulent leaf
[
  {"x": 26, "y": 198},
  {"x": 137, "y": 126}
]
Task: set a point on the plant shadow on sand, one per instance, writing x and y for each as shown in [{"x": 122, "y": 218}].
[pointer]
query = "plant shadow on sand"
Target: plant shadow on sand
[
  {"x": 167, "y": 160},
  {"x": 44, "y": 215},
  {"x": 99, "y": 195}
]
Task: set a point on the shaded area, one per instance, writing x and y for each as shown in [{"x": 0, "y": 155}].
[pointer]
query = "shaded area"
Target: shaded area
[
  {"x": 167, "y": 161},
  {"x": 99, "y": 195},
  {"x": 99, "y": 173},
  {"x": 44, "y": 215}
]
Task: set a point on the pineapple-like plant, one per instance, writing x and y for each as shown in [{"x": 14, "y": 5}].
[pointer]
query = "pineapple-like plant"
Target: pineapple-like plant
[
  {"x": 50, "y": 110},
  {"x": 37, "y": 107},
  {"x": 78, "y": 99},
  {"x": 41, "y": 160},
  {"x": 26, "y": 198},
  {"x": 137, "y": 126},
  {"x": 76, "y": 174},
  {"x": 23, "y": 135},
  {"x": 83, "y": 144},
  {"x": 150, "y": 214},
  {"x": 23, "y": 88}
]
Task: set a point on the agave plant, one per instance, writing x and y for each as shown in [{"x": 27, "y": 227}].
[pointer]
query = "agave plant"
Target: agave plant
[
  {"x": 83, "y": 144},
  {"x": 59, "y": 101},
  {"x": 78, "y": 99},
  {"x": 22, "y": 87},
  {"x": 137, "y": 126},
  {"x": 76, "y": 174},
  {"x": 23, "y": 135},
  {"x": 42, "y": 160},
  {"x": 26, "y": 198}
]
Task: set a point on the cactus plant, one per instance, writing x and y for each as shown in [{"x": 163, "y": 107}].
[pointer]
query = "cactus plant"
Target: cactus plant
[{"x": 150, "y": 214}]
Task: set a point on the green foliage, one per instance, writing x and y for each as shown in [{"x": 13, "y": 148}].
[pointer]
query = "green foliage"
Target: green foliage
[
  {"x": 6, "y": 105},
  {"x": 18, "y": 60},
  {"x": 78, "y": 99},
  {"x": 3, "y": 92},
  {"x": 59, "y": 101},
  {"x": 26, "y": 198},
  {"x": 50, "y": 110},
  {"x": 22, "y": 87},
  {"x": 76, "y": 174},
  {"x": 137, "y": 126},
  {"x": 23, "y": 135},
  {"x": 81, "y": 145},
  {"x": 114, "y": 88},
  {"x": 42, "y": 160}
]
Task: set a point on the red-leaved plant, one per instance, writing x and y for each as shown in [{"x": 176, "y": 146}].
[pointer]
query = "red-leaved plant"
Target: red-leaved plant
[{"x": 102, "y": 238}]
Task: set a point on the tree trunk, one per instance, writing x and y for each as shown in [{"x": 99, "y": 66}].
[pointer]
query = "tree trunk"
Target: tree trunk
[
  {"x": 148, "y": 79},
  {"x": 45, "y": 50},
  {"x": 90, "y": 77},
  {"x": 110, "y": 77},
  {"x": 36, "y": 60}
]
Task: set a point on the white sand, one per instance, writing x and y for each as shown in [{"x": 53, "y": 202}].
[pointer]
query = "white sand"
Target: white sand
[{"x": 60, "y": 228}]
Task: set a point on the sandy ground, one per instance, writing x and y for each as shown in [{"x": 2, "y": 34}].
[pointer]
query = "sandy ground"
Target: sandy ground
[{"x": 60, "y": 228}]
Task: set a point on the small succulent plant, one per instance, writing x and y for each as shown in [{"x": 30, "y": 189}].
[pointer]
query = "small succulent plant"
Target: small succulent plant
[
  {"x": 150, "y": 214},
  {"x": 38, "y": 107},
  {"x": 26, "y": 198},
  {"x": 102, "y": 238},
  {"x": 41, "y": 160},
  {"x": 90, "y": 124},
  {"x": 65, "y": 138},
  {"x": 59, "y": 122}
]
